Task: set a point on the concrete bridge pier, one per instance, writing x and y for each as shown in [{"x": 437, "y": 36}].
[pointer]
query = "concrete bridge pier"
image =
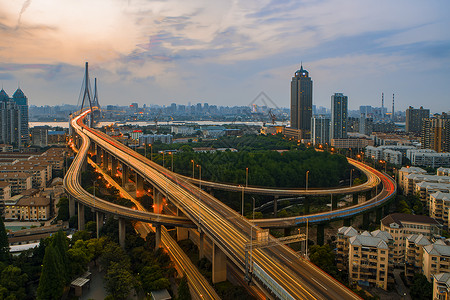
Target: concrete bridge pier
[
  {"x": 366, "y": 220},
  {"x": 125, "y": 174},
  {"x": 122, "y": 232},
  {"x": 157, "y": 236},
  {"x": 98, "y": 155},
  {"x": 157, "y": 201},
  {"x": 139, "y": 185},
  {"x": 71, "y": 207},
  {"x": 348, "y": 221},
  {"x": 182, "y": 233},
  {"x": 99, "y": 220},
  {"x": 80, "y": 216},
  {"x": 201, "y": 245},
  {"x": 320, "y": 234},
  {"x": 355, "y": 198},
  {"x": 114, "y": 165},
  {"x": 219, "y": 265},
  {"x": 105, "y": 160}
]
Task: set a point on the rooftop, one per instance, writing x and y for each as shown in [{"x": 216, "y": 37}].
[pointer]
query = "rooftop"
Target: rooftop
[
  {"x": 368, "y": 241},
  {"x": 407, "y": 218},
  {"x": 437, "y": 249}
]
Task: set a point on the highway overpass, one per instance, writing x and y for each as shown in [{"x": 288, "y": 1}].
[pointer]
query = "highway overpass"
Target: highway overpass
[{"x": 288, "y": 275}]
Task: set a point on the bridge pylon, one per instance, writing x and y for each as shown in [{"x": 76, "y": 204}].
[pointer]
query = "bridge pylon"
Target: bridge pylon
[{"x": 86, "y": 87}]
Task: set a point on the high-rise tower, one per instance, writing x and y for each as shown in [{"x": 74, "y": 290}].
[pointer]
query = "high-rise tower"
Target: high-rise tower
[
  {"x": 301, "y": 102},
  {"x": 22, "y": 102},
  {"x": 339, "y": 104}
]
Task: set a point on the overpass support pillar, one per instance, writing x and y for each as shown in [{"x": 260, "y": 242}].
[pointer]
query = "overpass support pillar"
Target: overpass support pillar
[
  {"x": 320, "y": 234},
  {"x": 182, "y": 233},
  {"x": 139, "y": 185},
  {"x": 157, "y": 236},
  {"x": 105, "y": 160},
  {"x": 99, "y": 220},
  {"x": 366, "y": 220},
  {"x": 71, "y": 207},
  {"x": 219, "y": 265},
  {"x": 378, "y": 214},
  {"x": 306, "y": 205},
  {"x": 355, "y": 198},
  {"x": 275, "y": 205},
  {"x": 80, "y": 216},
  {"x": 114, "y": 165},
  {"x": 157, "y": 201},
  {"x": 98, "y": 155},
  {"x": 348, "y": 222},
  {"x": 201, "y": 246},
  {"x": 122, "y": 232},
  {"x": 125, "y": 174}
]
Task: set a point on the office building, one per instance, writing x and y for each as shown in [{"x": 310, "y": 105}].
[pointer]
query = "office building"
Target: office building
[
  {"x": 365, "y": 125},
  {"x": 414, "y": 118},
  {"x": 435, "y": 133},
  {"x": 14, "y": 119},
  {"x": 339, "y": 110},
  {"x": 320, "y": 130},
  {"x": 22, "y": 102},
  {"x": 301, "y": 102}
]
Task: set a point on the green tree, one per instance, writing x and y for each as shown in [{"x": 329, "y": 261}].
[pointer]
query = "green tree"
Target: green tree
[
  {"x": 152, "y": 278},
  {"x": 4, "y": 243},
  {"x": 63, "y": 209},
  {"x": 119, "y": 280},
  {"x": 421, "y": 289},
  {"x": 12, "y": 283},
  {"x": 323, "y": 257},
  {"x": 61, "y": 245},
  {"x": 183, "y": 289},
  {"x": 51, "y": 283}
]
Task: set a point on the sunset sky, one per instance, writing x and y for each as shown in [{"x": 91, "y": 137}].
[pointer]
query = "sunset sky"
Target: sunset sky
[{"x": 226, "y": 52}]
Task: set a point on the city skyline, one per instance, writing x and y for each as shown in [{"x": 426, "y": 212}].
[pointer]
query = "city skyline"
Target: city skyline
[{"x": 226, "y": 54}]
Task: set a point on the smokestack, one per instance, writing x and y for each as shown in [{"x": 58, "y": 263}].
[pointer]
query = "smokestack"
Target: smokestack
[
  {"x": 393, "y": 111},
  {"x": 382, "y": 105}
]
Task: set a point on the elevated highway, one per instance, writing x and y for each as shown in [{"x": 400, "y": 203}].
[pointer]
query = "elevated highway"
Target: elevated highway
[
  {"x": 372, "y": 181},
  {"x": 293, "y": 276}
]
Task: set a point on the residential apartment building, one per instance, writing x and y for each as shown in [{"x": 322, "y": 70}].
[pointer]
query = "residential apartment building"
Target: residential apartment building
[
  {"x": 5, "y": 191},
  {"x": 429, "y": 158},
  {"x": 19, "y": 182},
  {"x": 414, "y": 117},
  {"x": 435, "y": 133},
  {"x": 414, "y": 254},
  {"x": 355, "y": 143},
  {"x": 28, "y": 209},
  {"x": 339, "y": 114},
  {"x": 320, "y": 129},
  {"x": 342, "y": 242},
  {"x": 404, "y": 171},
  {"x": 436, "y": 259},
  {"x": 441, "y": 286},
  {"x": 39, "y": 173},
  {"x": 402, "y": 225},
  {"x": 368, "y": 258},
  {"x": 439, "y": 205},
  {"x": 443, "y": 171}
]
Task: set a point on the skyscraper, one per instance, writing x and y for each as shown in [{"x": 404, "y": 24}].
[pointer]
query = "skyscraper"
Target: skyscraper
[
  {"x": 414, "y": 118},
  {"x": 301, "y": 102},
  {"x": 435, "y": 133},
  {"x": 14, "y": 119},
  {"x": 320, "y": 129},
  {"x": 22, "y": 103},
  {"x": 339, "y": 104}
]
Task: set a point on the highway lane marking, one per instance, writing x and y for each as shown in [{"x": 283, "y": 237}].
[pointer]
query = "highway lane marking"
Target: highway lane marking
[{"x": 320, "y": 284}]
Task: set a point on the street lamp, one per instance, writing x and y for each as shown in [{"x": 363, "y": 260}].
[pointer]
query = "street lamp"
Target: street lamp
[
  {"x": 307, "y": 172},
  {"x": 192, "y": 161},
  {"x": 163, "y": 157}
]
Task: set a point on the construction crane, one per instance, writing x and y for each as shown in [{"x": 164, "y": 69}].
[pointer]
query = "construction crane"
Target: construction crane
[{"x": 272, "y": 116}]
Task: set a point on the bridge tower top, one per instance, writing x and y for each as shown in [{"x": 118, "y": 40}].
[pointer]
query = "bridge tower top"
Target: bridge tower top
[{"x": 86, "y": 87}]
